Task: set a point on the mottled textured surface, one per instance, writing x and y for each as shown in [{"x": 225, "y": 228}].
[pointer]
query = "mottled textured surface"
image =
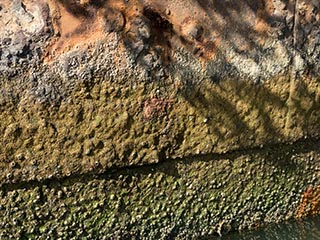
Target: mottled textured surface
[
  {"x": 205, "y": 196},
  {"x": 88, "y": 87}
]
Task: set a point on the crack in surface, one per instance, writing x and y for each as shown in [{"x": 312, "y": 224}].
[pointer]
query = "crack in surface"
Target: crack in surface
[{"x": 290, "y": 149}]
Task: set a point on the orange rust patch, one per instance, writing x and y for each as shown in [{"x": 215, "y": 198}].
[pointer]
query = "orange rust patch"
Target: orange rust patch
[
  {"x": 72, "y": 26},
  {"x": 310, "y": 202},
  {"x": 202, "y": 27},
  {"x": 76, "y": 23},
  {"x": 71, "y": 30},
  {"x": 68, "y": 23}
]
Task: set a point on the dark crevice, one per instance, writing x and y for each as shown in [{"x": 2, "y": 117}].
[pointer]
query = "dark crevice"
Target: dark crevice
[
  {"x": 162, "y": 31},
  {"x": 24, "y": 7},
  {"x": 74, "y": 8},
  {"x": 53, "y": 126},
  {"x": 158, "y": 22},
  {"x": 17, "y": 133},
  {"x": 42, "y": 198},
  {"x": 180, "y": 138},
  {"x": 284, "y": 151},
  {"x": 80, "y": 116},
  {"x": 295, "y": 25},
  {"x": 25, "y": 52},
  {"x": 97, "y": 3},
  {"x": 130, "y": 122}
]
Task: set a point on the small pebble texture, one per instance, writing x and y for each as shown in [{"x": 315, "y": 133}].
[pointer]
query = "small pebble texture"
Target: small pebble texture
[{"x": 111, "y": 110}]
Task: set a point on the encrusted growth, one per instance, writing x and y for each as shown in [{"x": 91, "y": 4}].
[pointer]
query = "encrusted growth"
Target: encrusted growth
[{"x": 184, "y": 98}]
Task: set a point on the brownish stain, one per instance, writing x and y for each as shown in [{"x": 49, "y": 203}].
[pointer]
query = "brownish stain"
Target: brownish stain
[
  {"x": 71, "y": 29},
  {"x": 265, "y": 10},
  {"x": 201, "y": 27},
  {"x": 310, "y": 202},
  {"x": 77, "y": 22},
  {"x": 155, "y": 107}
]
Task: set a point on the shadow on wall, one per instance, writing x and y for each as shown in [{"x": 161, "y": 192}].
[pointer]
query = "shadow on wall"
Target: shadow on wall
[
  {"x": 243, "y": 113},
  {"x": 233, "y": 113},
  {"x": 82, "y": 9},
  {"x": 150, "y": 33},
  {"x": 207, "y": 29}
]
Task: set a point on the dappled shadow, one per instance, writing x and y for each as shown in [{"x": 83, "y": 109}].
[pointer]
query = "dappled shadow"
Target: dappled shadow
[
  {"x": 233, "y": 35},
  {"x": 232, "y": 108},
  {"x": 239, "y": 115},
  {"x": 153, "y": 30},
  {"x": 82, "y": 10},
  {"x": 239, "y": 112}
]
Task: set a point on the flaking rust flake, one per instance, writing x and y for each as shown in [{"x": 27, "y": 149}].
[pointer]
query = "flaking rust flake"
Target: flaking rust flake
[{"x": 310, "y": 202}]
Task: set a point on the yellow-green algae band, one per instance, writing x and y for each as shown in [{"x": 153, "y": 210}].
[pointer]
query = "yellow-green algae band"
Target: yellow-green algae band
[
  {"x": 108, "y": 124},
  {"x": 151, "y": 91},
  {"x": 185, "y": 112},
  {"x": 182, "y": 199}
]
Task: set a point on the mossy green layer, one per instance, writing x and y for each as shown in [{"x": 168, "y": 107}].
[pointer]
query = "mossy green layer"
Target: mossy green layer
[{"x": 206, "y": 196}]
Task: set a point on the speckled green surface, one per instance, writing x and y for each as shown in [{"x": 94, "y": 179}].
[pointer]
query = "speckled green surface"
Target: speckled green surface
[
  {"x": 127, "y": 136},
  {"x": 206, "y": 196}
]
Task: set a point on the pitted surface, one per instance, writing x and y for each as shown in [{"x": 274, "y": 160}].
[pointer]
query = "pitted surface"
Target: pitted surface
[
  {"x": 92, "y": 86},
  {"x": 198, "y": 197}
]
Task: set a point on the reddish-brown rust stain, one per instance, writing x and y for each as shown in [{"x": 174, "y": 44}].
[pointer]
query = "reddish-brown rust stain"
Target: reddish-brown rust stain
[
  {"x": 156, "y": 107},
  {"x": 202, "y": 27},
  {"x": 310, "y": 202},
  {"x": 71, "y": 30}
]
